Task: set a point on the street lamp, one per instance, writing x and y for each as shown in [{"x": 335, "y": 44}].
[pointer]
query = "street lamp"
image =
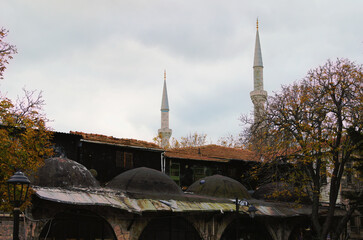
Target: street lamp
[
  {"x": 251, "y": 209},
  {"x": 17, "y": 185},
  {"x": 251, "y": 212}
]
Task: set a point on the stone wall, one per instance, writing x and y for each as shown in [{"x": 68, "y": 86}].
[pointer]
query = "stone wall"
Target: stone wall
[
  {"x": 129, "y": 226},
  {"x": 6, "y": 227}
]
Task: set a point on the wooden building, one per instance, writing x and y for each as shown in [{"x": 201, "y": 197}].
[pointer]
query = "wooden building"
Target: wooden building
[
  {"x": 187, "y": 165},
  {"x": 107, "y": 156}
]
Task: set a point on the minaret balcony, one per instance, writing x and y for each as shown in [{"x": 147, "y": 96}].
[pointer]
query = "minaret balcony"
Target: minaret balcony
[
  {"x": 165, "y": 130},
  {"x": 262, "y": 93}
]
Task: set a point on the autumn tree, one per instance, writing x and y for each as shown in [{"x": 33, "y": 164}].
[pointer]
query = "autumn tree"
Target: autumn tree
[
  {"x": 6, "y": 51},
  {"x": 306, "y": 126},
  {"x": 357, "y": 159},
  {"x": 355, "y": 175},
  {"x": 24, "y": 137},
  {"x": 191, "y": 140},
  {"x": 230, "y": 141},
  {"x": 158, "y": 140}
]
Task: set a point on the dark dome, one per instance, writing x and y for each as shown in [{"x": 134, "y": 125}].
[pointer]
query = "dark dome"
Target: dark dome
[
  {"x": 219, "y": 186},
  {"x": 145, "y": 181},
  {"x": 65, "y": 173},
  {"x": 279, "y": 191}
]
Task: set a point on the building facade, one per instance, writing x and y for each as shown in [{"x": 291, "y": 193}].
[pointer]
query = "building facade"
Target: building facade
[{"x": 144, "y": 203}]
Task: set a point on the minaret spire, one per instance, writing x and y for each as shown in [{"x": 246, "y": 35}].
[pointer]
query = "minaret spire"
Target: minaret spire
[
  {"x": 164, "y": 131},
  {"x": 164, "y": 101},
  {"x": 258, "y": 54},
  {"x": 258, "y": 95}
]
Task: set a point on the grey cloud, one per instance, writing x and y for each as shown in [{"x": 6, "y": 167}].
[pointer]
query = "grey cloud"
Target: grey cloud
[{"x": 82, "y": 51}]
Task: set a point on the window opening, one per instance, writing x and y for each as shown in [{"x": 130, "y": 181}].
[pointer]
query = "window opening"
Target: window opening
[{"x": 175, "y": 172}]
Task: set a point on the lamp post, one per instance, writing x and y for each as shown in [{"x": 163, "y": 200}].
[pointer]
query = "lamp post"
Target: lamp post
[
  {"x": 251, "y": 212},
  {"x": 17, "y": 185},
  {"x": 251, "y": 209},
  {"x": 237, "y": 220}
]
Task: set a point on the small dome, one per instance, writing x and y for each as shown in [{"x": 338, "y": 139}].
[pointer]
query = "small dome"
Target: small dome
[
  {"x": 279, "y": 191},
  {"x": 219, "y": 186},
  {"x": 64, "y": 173},
  {"x": 145, "y": 181}
]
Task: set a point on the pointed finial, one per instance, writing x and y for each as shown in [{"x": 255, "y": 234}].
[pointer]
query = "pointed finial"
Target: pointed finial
[
  {"x": 257, "y": 24},
  {"x": 164, "y": 74}
]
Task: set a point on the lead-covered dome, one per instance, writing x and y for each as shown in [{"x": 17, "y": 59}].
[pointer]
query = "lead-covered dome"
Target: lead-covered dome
[
  {"x": 219, "y": 186},
  {"x": 64, "y": 173},
  {"x": 145, "y": 181}
]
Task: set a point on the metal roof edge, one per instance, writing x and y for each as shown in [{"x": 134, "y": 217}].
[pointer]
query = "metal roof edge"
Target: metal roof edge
[
  {"x": 122, "y": 145},
  {"x": 208, "y": 160}
]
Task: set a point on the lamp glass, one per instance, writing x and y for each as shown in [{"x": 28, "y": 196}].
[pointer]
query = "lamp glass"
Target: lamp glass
[{"x": 18, "y": 186}]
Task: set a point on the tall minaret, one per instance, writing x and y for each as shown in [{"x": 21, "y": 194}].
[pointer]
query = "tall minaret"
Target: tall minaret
[
  {"x": 258, "y": 95},
  {"x": 164, "y": 131}
]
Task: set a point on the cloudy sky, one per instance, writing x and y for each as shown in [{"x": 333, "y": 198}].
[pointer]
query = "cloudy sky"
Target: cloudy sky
[{"x": 100, "y": 63}]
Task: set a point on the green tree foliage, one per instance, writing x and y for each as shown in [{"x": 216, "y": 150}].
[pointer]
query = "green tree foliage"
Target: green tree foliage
[
  {"x": 306, "y": 126},
  {"x": 24, "y": 137}
]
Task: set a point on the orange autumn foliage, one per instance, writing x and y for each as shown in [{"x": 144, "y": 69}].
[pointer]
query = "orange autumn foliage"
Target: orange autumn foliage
[
  {"x": 24, "y": 140},
  {"x": 6, "y": 51},
  {"x": 24, "y": 137},
  {"x": 306, "y": 126}
]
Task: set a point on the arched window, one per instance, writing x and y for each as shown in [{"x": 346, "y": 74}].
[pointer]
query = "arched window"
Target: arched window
[
  {"x": 77, "y": 225},
  {"x": 246, "y": 228},
  {"x": 302, "y": 231},
  {"x": 165, "y": 228}
]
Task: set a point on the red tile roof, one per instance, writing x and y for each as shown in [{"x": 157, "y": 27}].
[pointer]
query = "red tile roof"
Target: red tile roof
[
  {"x": 212, "y": 153},
  {"x": 118, "y": 141}
]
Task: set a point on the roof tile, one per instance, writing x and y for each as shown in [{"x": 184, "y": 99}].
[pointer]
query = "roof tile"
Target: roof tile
[
  {"x": 113, "y": 140},
  {"x": 212, "y": 153}
]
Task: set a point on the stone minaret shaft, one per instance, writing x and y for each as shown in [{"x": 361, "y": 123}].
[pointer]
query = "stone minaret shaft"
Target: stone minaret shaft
[
  {"x": 258, "y": 95},
  {"x": 165, "y": 131}
]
